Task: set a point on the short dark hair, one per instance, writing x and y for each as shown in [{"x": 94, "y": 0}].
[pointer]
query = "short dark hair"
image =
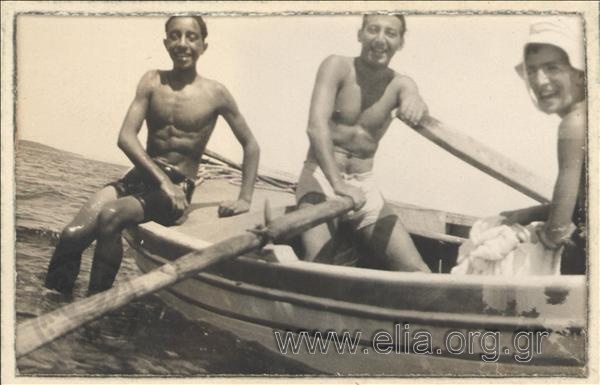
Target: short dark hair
[
  {"x": 400, "y": 17},
  {"x": 199, "y": 20},
  {"x": 533, "y": 48}
]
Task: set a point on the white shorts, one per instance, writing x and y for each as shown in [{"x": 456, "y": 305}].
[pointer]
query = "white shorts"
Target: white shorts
[{"x": 312, "y": 180}]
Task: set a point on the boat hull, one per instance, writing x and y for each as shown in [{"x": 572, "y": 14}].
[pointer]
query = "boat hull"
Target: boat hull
[
  {"x": 403, "y": 324},
  {"x": 255, "y": 298}
]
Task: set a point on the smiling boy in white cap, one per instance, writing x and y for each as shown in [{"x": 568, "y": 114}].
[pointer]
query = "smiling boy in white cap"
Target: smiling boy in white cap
[{"x": 553, "y": 69}]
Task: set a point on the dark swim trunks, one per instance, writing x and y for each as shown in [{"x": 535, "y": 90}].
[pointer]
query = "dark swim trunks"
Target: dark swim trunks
[
  {"x": 574, "y": 256},
  {"x": 157, "y": 207}
]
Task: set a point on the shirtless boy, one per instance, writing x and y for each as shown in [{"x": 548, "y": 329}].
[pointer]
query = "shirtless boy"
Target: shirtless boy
[
  {"x": 180, "y": 108},
  {"x": 554, "y": 72},
  {"x": 351, "y": 109}
]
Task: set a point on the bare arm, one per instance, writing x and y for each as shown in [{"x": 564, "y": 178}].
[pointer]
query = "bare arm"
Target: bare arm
[
  {"x": 558, "y": 214},
  {"x": 236, "y": 121},
  {"x": 571, "y": 153},
  {"x": 411, "y": 107},
  {"x": 329, "y": 77},
  {"x": 128, "y": 141},
  {"x": 130, "y": 144}
]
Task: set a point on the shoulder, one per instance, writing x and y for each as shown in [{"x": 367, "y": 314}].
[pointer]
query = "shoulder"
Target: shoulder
[
  {"x": 218, "y": 90},
  {"x": 336, "y": 65},
  {"x": 213, "y": 88},
  {"x": 220, "y": 95},
  {"x": 337, "y": 60},
  {"x": 149, "y": 81},
  {"x": 402, "y": 80},
  {"x": 573, "y": 125},
  {"x": 152, "y": 77}
]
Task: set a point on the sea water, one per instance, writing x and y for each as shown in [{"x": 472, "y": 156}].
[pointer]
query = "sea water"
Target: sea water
[{"x": 142, "y": 338}]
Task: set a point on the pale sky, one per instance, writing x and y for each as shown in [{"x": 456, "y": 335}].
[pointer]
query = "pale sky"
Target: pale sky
[{"x": 77, "y": 76}]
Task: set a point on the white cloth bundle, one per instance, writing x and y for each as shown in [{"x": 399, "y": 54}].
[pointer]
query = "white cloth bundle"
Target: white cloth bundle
[{"x": 497, "y": 249}]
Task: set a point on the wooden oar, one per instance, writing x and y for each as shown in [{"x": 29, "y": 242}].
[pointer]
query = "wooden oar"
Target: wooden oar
[
  {"x": 36, "y": 332},
  {"x": 485, "y": 159}
]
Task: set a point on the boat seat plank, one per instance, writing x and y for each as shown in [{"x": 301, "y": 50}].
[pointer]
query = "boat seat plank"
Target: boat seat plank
[{"x": 203, "y": 221}]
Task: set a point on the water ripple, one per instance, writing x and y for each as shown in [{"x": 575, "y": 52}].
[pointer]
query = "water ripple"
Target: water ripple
[{"x": 136, "y": 339}]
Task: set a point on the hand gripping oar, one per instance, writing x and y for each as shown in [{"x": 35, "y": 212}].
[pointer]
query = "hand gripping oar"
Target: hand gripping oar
[
  {"x": 32, "y": 334},
  {"x": 485, "y": 159}
]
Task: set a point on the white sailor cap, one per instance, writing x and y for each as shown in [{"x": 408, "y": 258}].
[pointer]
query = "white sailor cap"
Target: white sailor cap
[{"x": 564, "y": 32}]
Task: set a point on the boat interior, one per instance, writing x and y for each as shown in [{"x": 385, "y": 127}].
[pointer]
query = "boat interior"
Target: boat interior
[{"x": 436, "y": 234}]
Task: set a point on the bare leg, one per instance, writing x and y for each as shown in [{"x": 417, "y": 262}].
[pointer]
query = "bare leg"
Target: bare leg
[
  {"x": 76, "y": 237},
  {"x": 389, "y": 241},
  {"x": 317, "y": 241},
  {"x": 113, "y": 218},
  {"x": 106, "y": 263}
]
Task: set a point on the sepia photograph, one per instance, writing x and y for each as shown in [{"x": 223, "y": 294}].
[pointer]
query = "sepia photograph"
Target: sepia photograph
[{"x": 203, "y": 190}]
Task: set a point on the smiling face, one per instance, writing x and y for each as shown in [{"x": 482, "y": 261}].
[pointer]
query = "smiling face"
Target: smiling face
[
  {"x": 555, "y": 83},
  {"x": 184, "y": 42},
  {"x": 381, "y": 36}
]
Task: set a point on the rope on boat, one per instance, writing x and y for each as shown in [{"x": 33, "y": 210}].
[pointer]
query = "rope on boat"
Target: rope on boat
[{"x": 211, "y": 169}]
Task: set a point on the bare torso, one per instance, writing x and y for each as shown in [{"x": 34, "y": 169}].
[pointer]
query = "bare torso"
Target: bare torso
[
  {"x": 181, "y": 119},
  {"x": 573, "y": 130},
  {"x": 357, "y": 124}
]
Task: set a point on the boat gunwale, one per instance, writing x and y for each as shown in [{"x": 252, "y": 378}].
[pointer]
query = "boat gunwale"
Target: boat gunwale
[{"x": 567, "y": 282}]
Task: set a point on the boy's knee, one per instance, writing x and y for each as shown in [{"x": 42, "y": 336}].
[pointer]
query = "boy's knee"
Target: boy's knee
[
  {"x": 309, "y": 255},
  {"x": 415, "y": 266},
  {"x": 109, "y": 221},
  {"x": 72, "y": 234},
  {"x": 423, "y": 268}
]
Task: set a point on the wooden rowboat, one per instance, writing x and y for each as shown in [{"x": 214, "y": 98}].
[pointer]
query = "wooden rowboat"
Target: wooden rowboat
[
  {"x": 264, "y": 294},
  {"x": 387, "y": 323}
]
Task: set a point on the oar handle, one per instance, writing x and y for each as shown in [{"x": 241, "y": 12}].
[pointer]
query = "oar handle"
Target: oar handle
[
  {"x": 32, "y": 334},
  {"x": 486, "y": 159}
]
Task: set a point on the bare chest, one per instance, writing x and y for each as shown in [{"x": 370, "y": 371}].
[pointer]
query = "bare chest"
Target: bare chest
[
  {"x": 188, "y": 109},
  {"x": 369, "y": 104}
]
